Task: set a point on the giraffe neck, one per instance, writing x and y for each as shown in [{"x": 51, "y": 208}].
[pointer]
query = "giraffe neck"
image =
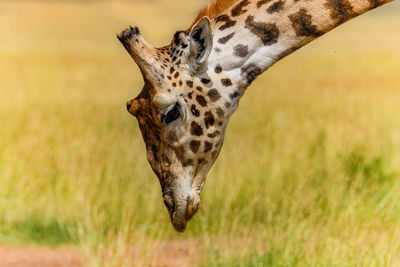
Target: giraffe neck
[{"x": 251, "y": 36}]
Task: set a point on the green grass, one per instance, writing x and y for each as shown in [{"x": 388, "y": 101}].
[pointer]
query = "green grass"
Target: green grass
[
  {"x": 308, "y": 176},
  {"x": 35, "y": 230}
]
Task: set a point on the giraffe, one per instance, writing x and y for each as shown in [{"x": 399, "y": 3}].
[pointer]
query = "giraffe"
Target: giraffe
[{"x": 193, "y": 85}]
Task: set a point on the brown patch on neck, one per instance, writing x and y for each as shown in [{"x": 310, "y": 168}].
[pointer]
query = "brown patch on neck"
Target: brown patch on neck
[
  {"x": 276, "y": 7},
  {"x": 302, "y": 24},
  {"x": 262, "y": 2},
  {"x": 239, "y": 8},
  {"x": 340, "y": 10},
  {"x": 267, "y": 32}
]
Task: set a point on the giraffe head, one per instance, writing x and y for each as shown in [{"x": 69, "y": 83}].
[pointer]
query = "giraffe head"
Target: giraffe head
[{"x": 181, "y": 114}]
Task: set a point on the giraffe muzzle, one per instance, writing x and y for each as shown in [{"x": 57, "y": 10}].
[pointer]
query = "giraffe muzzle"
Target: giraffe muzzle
[{"x": 181, "y": 209}]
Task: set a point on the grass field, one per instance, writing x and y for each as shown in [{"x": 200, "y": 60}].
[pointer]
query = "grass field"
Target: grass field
[{"x": 309, "y": 174}]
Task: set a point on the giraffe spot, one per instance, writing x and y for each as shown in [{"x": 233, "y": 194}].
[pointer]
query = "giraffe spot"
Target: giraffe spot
[
  {"x": 214, "y": 134},
  {"x": 169, "y": 77},
  {"x": 241, "y": 50},
  {"x": 188, "y": 162},
  {"x": 189, "y": 83},
  {"x": 222, "y": 17},
  {"x": 194, "y": 146},
  {"x": 195, "y": 129},
  {"x": 180, "y": 82},
  {"x": 207, "y": 146},
  {"x": 302, "y": 24},
  {"x": 262, "y": 2},
  {"x": 201, "y": 100},
  {"x": 176, "y": 75},
  {"x": 228, "y": 22},
  {"x": 208, "y": 119},
  {"x": 198, "y": 88},
  {"x": 218, "y": 69},
  {"x": 202, "y": 161},
  {"x": 226, "y": 82},
  {"x": 234, "y": 95},
  {"x": 171, "y": 70},
  {"x": 205, "y": 80},
  {"x": 374, "y": 3},
  {"x": 217, "y": 49},
  {"x": 214, "y": 95},
  {"x": 227, "y": 104},
  {"x": 220, "y": 112},
  {"x": 174, "y": 84},
  {"x": 267, "y": 32},
  {"x": 250, "y": 72},
  {"x": 276, "y": 7},
  {"x": 194, "y": 111},
  {"x": 340, "y": 10},
  {"x": 224, "y": 40},
  {"x": 190, "y": 95},
  {"x": 238, "y": 9}
]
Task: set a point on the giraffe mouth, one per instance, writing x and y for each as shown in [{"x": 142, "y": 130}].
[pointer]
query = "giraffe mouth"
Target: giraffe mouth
[
  {"x": 182, "y": 211},
  {"x": 179, "y": 221}
]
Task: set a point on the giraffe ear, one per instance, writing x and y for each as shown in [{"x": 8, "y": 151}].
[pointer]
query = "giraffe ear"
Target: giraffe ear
[{"x": 201, "y": 43}]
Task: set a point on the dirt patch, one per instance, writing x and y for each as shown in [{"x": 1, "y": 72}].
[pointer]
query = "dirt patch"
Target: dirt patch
[
  {"x": 171, "y": 253},
  {"x": 39, "y": 257},
  {"x": 177, "y": 253}
]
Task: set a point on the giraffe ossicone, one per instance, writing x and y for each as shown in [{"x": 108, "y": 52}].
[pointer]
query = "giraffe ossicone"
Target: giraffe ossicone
[{"x": 193, "y": 85}]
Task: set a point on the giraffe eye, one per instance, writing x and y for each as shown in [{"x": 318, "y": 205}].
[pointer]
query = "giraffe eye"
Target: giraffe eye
[{"x": 172, "y": 114}]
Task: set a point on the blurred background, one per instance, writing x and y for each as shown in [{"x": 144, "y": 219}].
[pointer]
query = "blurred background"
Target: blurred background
[{"x": 309, "y": 174}]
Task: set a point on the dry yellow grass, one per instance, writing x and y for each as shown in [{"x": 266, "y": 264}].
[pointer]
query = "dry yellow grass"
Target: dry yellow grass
[{"x": 310, "y": 170}]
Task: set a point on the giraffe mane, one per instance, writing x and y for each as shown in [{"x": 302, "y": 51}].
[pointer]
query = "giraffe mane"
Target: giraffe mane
[{"x": 212, "y": 10}]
